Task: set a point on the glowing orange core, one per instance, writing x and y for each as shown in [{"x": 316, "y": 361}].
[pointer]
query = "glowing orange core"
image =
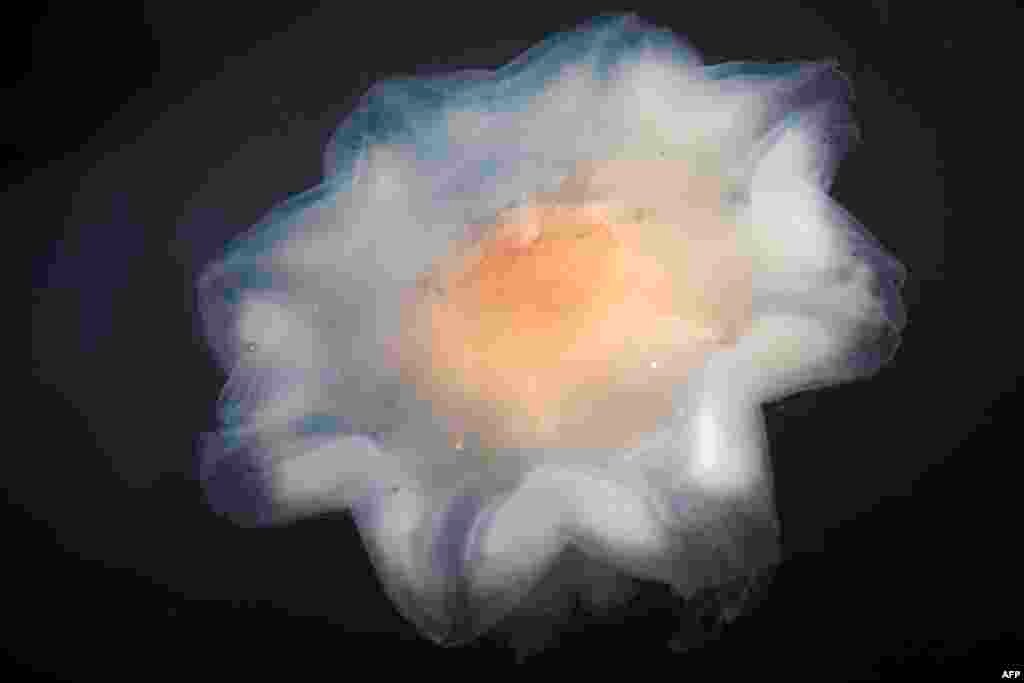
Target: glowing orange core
[{"x": 570, "y": 324}]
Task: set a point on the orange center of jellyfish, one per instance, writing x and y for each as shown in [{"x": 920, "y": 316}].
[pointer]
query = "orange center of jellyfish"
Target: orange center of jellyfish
[{"x": 568, "y": 323}]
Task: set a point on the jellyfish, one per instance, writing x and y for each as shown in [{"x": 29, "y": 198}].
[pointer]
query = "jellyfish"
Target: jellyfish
[{"x": 525, "y": 327}]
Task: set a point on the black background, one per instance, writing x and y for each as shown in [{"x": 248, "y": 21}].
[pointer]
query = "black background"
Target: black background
[{"x": 141, "y": 142}]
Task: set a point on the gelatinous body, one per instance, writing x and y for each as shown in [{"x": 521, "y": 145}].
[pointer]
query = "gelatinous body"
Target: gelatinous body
[{"x": 524, "y": 328}]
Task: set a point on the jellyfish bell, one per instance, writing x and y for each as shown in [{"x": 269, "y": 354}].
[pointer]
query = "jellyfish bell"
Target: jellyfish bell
[{"x": 524, "y": 329}]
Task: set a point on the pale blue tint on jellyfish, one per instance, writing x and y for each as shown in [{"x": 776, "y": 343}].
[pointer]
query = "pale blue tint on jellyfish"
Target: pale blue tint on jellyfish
[{"x": 467, "y": 513}]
